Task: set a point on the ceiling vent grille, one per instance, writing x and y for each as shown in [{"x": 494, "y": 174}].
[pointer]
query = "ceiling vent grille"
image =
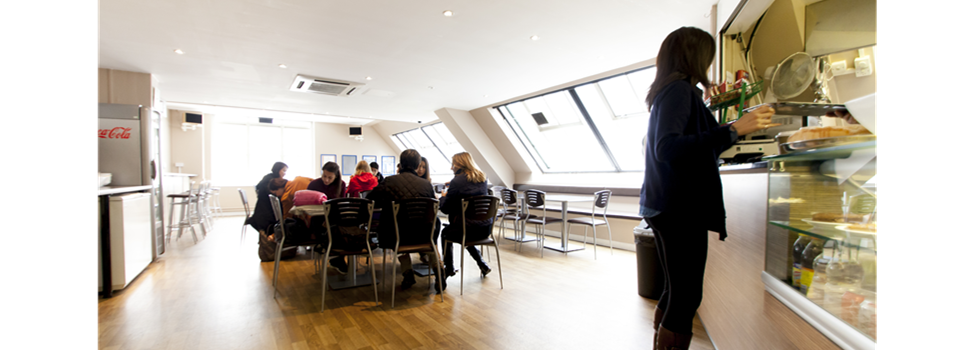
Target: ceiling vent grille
[{"x": 323, "y": 86}]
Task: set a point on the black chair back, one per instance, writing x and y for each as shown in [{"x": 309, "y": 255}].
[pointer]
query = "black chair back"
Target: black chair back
[
  {"x": 509, "y": 196},
  {"x": 602, "y": 198},
  {"x": 248, "y": 211},
  {"x": 477, "y": 209},
  {"x": 534, "y": 198},
  {"x": 415, "y": 220},
  {"x": 345, "y": 214},
  {"x": 276, "y": 208},
  {"x": 363, "y": 194}
]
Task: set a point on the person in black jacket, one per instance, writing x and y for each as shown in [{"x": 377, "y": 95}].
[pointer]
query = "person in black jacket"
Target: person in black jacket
[
  {"x": 469, "y": 181},
  {"x": 406, "y": 184},
  {"x": 376, "y": 172},
  {"x": 263, "y": 215},
  {"x": 681, "y": 198}
]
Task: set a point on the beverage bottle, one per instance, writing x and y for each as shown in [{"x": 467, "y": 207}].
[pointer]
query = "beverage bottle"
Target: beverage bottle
[
  {"x": 813, "y": 250},
  {"x": 798, "y": 248},
  {"x": 816, "y": 290}
]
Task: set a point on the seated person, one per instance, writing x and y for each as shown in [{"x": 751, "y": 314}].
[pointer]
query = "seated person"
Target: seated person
[
  {"x": 406, "y": 184},
  {"x": 362, "y": 180},
  {"x": 469, "y": 181},
  {"x": 376, "y": 173},
  {"x": 262, "y": 216}
]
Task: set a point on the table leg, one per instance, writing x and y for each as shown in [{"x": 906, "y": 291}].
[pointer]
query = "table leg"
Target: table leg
[{"x": 564, "y": 227}]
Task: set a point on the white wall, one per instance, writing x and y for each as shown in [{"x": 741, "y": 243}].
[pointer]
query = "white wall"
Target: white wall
[{"x": 187, "y": 146}]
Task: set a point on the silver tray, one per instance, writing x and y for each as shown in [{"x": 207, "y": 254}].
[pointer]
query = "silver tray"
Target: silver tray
[
  {"x": 799, "y": 146},
  {"x": 801, "y": 108}
]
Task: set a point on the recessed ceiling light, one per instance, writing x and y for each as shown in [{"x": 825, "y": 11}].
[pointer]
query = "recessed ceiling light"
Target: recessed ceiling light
[
  {"x": 486, "y": 95},
  {"x": 534, "y": 37},
  {"x": 447, "y": 13},
  {"x": 179, "y": 52},
  {"x": 282, "y": 66},
  {"x": 368, "y": 78}
]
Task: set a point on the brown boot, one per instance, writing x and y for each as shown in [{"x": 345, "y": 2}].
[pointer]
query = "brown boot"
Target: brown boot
[{"x": 667, "y": 340}]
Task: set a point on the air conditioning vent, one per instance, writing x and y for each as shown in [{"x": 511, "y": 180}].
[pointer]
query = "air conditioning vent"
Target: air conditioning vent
[{"x": 330, "y": 87}]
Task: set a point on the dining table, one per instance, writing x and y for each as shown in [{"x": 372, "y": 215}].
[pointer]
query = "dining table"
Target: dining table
[
  {"x": 350, "y": 279},
  {"x": 564, "y": 199}
]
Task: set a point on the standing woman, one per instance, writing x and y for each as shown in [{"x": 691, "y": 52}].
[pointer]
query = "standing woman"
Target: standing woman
[
  {"x": 681, "y": 197},
  {"x": 263, "y": 215},
  {"x": 469, "y": 181}
]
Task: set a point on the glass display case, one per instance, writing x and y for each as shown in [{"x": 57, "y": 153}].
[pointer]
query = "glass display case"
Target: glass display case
[{"x": 821, "y": 252}]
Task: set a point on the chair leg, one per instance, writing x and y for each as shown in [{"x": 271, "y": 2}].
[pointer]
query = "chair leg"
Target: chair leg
[
  {"x": 609, "y": 229},
  {"x": 395, "y": 256},
  {"x": 323, "y": 281},
  {"x": 374, "y": 280},
  {"x": 499, "y": 270},
  {"x": 275, "y": 270},
  {"x": 462, "y": 266}
]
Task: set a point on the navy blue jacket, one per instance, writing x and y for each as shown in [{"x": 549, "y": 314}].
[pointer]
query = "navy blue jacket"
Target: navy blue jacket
[
  {"x": 452, "y": 202},
  {"x": 683, "y": 144}
]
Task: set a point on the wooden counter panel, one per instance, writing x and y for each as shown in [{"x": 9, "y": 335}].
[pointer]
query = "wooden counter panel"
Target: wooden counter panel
[{"x": 736, "y": 310}]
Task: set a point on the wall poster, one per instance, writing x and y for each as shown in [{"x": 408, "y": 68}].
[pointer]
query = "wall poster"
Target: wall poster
[
  {"x": 348, "y": 163},
  {"x": 388, "y": 165},
  {"x": 325, "y": 158}
]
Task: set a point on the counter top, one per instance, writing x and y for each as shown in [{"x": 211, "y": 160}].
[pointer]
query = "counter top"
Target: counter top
[
  {"x": 746, "y": 166},
  {"x": 107, "y": 190},
  {"x": 179, "y": 174}
]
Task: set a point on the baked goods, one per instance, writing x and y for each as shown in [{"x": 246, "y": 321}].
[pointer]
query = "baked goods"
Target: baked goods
[
  {"x": 836, "y": 217},
  {"x": 821, "y": 132},
  {"x": 871, "y": 227}
]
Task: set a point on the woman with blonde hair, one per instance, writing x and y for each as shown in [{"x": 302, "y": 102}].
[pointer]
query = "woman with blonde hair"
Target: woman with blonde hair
[
  {"x": 469, "y": 181},
  {"x": 362, "y": 180}
]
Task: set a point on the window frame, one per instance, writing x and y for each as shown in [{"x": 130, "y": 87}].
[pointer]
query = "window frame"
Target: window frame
[
  {"x": 504, "y": 111},
  {"x": 404, "y": 135}
]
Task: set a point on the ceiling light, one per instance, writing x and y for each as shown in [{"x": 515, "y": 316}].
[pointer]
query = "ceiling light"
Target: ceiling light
[
  {"x": 534, "y": 37},
  {"x": 179, "y": 52},
  {"x": 282, "y": 66},
  {"x": 447, "y": 13},
  {"x": 368, "y": 78},
  {"x": 486, "y": 95}
]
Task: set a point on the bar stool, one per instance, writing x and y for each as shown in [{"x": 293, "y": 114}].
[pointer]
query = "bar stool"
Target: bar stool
[{"x": 184, "y": 200}]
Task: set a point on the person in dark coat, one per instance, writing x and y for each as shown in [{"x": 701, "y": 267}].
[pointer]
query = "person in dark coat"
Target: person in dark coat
[
  {"x": 681, "y": 198},
  {"x": 406, "y": 184},
  {"x": 469, "y": 181},
  {"x": 376, "y": 172},
  {"x": 263, "y": 216}
]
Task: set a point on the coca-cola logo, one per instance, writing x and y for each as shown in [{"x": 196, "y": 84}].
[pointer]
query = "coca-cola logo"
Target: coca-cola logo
[{"x": 115, "y": 133}]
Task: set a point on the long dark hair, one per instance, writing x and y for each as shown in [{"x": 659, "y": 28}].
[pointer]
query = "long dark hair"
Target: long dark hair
[
  {"x": 335, "y": 169},
  {"x": 425, "y": 165},
  {"x": 686, "y": 53},
  {"x": 277, "y": 167}
]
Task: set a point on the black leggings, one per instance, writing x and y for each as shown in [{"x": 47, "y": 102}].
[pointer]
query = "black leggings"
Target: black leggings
[
  {"x": 455, "y": 234},
  {"x": 683, "y": 252}
]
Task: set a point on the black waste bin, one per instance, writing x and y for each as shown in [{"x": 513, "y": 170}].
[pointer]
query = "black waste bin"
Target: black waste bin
[{"x": 649, "y": 275}]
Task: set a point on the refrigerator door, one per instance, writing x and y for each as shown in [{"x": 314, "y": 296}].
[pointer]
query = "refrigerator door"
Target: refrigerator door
[{"x": 120, "y": 146}]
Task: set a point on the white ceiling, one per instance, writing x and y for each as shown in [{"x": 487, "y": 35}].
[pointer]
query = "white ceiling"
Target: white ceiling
[{"x": 422, "y": 59}]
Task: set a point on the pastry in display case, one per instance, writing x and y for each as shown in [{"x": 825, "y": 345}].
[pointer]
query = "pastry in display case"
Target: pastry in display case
[{"x": 821, "y": 252}]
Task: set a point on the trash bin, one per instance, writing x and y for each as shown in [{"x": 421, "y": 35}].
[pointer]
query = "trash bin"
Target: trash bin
[{"x": 649, "y": 275}]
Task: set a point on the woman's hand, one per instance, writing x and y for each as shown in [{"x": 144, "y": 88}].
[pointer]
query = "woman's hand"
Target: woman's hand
[{"x": 758, "y": 119}]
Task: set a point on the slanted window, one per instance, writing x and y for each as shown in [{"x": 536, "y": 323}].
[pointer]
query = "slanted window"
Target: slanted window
[{"x": 434, "y": 142}]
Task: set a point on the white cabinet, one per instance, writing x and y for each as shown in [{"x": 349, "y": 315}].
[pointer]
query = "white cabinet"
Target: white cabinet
[{"x": 130, "y": 237}]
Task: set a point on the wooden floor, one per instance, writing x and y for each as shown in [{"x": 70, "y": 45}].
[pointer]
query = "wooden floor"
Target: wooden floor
[{"x": 217, "y": 295}]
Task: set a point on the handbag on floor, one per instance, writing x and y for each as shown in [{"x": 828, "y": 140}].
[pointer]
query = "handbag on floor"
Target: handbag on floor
[{"x": 267, "y": 248}]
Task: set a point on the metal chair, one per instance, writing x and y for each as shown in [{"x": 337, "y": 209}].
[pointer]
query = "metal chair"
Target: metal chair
[
  {"x": 601, "y": 201},
  {"x": 536, "y": 199},
  {"x": 477, "y": 209},
  {"x": 196, "y": 208},
  {"x": 414, "y": 216},
  {"x": 510, "y": 211},
  {"x": 350, "y": 213},
  {"x": 248, "y": 214},
  {"x": 281, "y": 234}
]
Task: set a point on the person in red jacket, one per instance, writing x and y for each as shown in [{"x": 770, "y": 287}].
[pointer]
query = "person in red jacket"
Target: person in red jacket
[{"x": 362, "y": 180}]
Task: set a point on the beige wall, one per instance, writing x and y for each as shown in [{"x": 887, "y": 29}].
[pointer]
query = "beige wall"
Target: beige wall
[
  {"x": 187, "y": 146},
  {"x": 472, "y": 138}
]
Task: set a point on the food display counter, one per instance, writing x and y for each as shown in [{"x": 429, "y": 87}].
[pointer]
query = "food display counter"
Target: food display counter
[{"x": 821, "y": 252}]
